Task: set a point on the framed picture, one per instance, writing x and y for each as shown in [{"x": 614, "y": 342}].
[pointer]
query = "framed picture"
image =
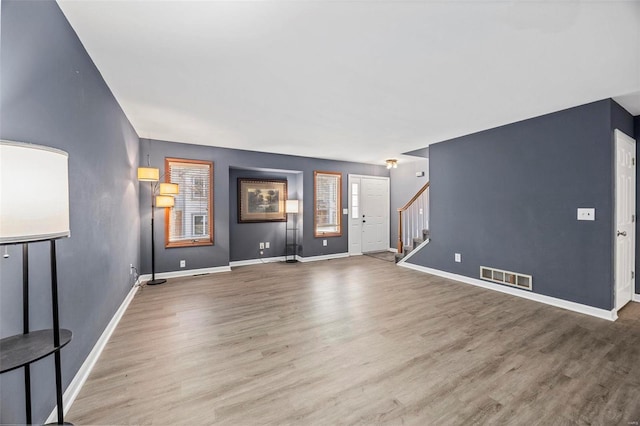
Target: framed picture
[{"x": 261, "y": 200}]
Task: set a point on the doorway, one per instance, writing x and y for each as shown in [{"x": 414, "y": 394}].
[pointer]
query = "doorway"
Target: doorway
[
  {"x": 625, "y": 210},
  {"x": 368, "y": 214}
]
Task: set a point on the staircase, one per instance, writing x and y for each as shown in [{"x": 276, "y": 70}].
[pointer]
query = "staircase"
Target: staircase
[
  {"x": 413, "y": 223},
  {"x": 415, "y": 242}
]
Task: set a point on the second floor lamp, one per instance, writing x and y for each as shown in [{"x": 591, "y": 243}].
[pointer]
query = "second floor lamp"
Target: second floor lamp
[{"x": 162, "y": 195}]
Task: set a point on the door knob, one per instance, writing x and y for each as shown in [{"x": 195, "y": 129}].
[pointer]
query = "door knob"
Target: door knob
[{"x": 623, "y": 233}]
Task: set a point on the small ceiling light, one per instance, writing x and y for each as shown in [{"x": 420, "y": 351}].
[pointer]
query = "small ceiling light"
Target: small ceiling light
[{"x": 392, "y": 163}]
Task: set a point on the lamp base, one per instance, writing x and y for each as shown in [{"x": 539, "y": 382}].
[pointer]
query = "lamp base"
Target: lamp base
[
  {"x": 156, "y": 282},
  {"x": 56, "y": 423}
]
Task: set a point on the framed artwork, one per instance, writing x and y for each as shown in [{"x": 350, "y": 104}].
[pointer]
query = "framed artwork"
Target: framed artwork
[{"x": 261, "y": 200}]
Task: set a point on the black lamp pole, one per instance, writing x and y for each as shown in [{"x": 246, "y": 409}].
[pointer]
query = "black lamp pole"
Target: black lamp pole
[{"x": 153, "y": 245}]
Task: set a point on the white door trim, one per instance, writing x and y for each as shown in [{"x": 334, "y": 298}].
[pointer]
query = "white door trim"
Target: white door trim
[{"x": 355, "y": 235}]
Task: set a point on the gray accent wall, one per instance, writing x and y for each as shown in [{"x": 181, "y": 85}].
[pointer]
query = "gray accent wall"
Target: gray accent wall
[
  {"x": 507, "y": 198},
  {"x": 246, "y": 237},
  {"x": 52, "y": 94},
  {"x": 404, "y": 185},
  {"x": 224, "y": 159}
]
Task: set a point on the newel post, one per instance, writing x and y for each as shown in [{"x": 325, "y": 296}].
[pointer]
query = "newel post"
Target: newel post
[{"x": 400, "y": 245}]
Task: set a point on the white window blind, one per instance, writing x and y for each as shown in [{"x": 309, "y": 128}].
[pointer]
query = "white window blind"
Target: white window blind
[
  {"x": 327, "y": 204},
  {"x": 190, "y": 219}
]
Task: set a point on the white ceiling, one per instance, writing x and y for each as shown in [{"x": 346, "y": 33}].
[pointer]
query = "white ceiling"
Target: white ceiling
[{"x": 354, "y": 80}]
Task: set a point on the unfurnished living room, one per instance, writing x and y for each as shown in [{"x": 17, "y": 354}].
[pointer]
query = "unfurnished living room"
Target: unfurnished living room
[{"x": 319, "y": 212}]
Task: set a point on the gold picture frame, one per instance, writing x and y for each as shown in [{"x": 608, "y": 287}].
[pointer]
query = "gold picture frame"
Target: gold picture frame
[{"x": 261, "y": 200}]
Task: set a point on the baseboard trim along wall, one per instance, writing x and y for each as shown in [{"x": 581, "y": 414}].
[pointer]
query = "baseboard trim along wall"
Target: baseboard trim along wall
[
  {"x": 559, "y": 303},
  {"x": 187, "y": 273},
  {"x": 258, "y": 261},
  {"x": 636, "y": 297},
  {"x": 323, "y": 257},
  {"x": 236, "y": 263},
  {"x": 72, "y": 391},
  {"x": 414, "y": 251},
  {"x": 393, "y": 250}
]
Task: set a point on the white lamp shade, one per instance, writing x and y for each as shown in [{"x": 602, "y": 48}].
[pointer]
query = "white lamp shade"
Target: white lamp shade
[
  {"x": 292, "y": 206},
  {"x": 169, "y": 189},
  {"x": 148, "y": 174},
  {"x": 164, "y": 201},
  {"x": 34, "y": 193}
]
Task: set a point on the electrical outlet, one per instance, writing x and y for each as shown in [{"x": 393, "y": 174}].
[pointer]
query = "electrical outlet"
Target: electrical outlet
[
  {"x": 458, "y": 257},
  {"x": 261, "y": 246},
  {"x": 261, "y": 252},
  {"x": 267, "y": 245},
  {"x": 324, "y": 243},
  {"x": 183, "y": 263},
  {"x": 586, "y": 214}
]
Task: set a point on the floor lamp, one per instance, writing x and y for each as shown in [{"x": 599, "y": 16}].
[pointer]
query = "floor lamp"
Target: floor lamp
[
  {"x": 162, "y": 195},
  {"x": 34, "y": 207},
  {"x": 292, "y": 207}
]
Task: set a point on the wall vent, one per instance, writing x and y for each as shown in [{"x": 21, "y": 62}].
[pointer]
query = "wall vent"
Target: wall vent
[{"x": 500, "y": 276}]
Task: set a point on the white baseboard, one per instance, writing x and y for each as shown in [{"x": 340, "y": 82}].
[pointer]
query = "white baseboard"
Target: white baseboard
[
  {"x": 414, "y": 251},
  {"x": 187, "y": 273},
  {"x": 636, "y": 297},
  {"x": 323, "y": 257},
  {"x": 560, "y": 303},
  {"x": 393, "y": 250},
  {"x": 258, "y": 261},
  {"x": 282, "y": 259},
  {"x": 72, "y": 391}
]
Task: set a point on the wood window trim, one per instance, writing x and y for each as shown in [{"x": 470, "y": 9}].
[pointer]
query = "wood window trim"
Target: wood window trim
[
  {"x": 196, "y": 242},
  {"x": 317, "y": 234}
]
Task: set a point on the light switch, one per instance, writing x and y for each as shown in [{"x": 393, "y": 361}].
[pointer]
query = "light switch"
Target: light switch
[
  {"x": 586, "y": 214},
  {"x": 345, "y": 211}
]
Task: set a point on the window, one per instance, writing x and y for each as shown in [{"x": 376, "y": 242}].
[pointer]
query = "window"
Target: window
[
  {"x": 327, "y": 188},
  {"x": 189, "y": 223},
  {"x": 355, "y": 197},
  {"x": 199, "y": 224}
]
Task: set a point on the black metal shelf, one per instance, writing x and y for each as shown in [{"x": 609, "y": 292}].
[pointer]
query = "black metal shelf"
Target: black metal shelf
[{"x": 23, "y": 349}]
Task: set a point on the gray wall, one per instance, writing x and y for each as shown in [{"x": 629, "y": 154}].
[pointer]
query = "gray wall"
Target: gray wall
[
  {"x": 53, "y": 95},
  {"x": 507, "y": 198},
  {"x": 224, "y": 158},
  {"x": 246, "y": 237},
  {"x": 404, "y": 185}
]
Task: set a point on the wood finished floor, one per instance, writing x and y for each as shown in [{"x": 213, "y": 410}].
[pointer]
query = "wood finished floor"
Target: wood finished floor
[{"x": 358, "y": 340}]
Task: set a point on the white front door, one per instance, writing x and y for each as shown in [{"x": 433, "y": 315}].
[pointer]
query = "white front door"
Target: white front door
[
  {"x": 374, "y": 209},
  {"x": 625, "y": 206}
]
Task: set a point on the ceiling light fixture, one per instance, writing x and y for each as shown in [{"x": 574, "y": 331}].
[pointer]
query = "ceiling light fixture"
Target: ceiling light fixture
[{"x": 392, "y": 163}]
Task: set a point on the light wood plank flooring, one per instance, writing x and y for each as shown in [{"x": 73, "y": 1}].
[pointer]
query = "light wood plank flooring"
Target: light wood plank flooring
[{"x": 358, "y": 340}]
